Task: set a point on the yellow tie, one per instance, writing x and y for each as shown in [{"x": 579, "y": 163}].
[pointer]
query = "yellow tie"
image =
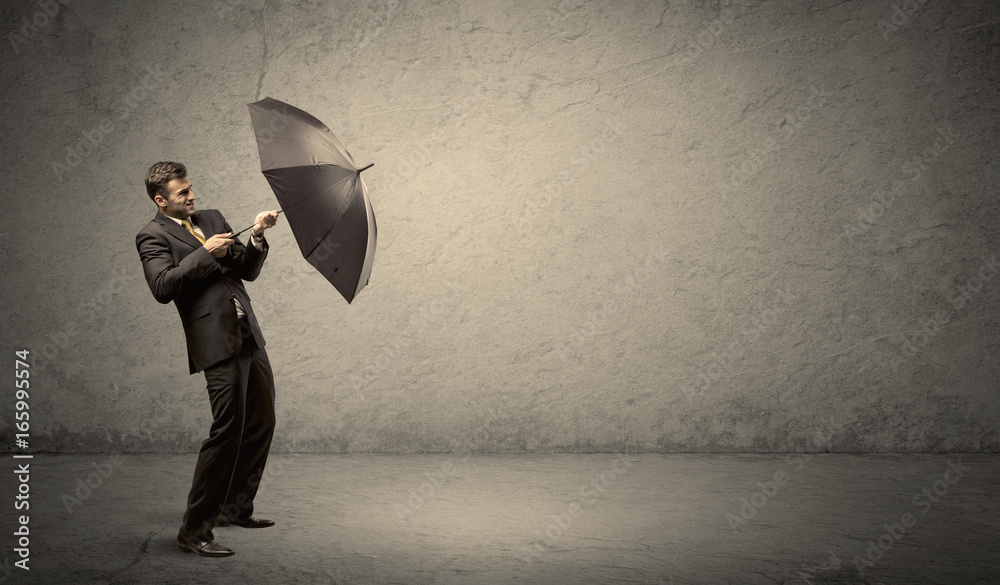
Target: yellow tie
[{"x": 190, "y": 228}]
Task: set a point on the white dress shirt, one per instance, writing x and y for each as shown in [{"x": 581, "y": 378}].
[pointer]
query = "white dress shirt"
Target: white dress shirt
[{"x": 257, "y": 241}]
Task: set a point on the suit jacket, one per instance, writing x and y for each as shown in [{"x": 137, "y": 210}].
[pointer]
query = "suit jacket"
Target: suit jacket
[{"x": 179, "y": 268}]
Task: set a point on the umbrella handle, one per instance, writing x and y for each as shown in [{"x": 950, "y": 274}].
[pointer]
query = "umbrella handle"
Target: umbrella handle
[{"x": 251, "y": 227}]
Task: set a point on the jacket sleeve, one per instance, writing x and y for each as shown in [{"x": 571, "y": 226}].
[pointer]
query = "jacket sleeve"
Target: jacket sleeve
[
  {"x": 249, "y": 259},
  {"x": 166, "y": 280}
]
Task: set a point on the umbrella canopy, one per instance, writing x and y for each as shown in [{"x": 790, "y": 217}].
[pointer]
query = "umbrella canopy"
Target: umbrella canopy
[{"x": 320, "y": 191}]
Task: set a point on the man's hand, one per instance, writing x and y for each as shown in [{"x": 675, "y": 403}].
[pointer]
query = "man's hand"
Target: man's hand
[
  {"x": 264, "y": 220},
  {"x": 218, "y": 245}
]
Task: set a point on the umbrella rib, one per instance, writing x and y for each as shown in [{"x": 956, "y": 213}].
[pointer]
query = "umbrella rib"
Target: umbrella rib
[
  {"x": 296, "y": 140},
  {"x": 317, "y": 192},
  {"x": 319, "y": 241},
  {"x": 347, "y": 203}
]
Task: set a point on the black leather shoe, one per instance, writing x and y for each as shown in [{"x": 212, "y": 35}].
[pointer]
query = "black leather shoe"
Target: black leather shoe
[
  {"x": 205, "y": 548},
  {"x": 250, "y": 522}
]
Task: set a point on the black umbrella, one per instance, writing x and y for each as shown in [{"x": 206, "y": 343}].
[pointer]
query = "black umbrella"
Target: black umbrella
[{"x": 320, "y": 191}]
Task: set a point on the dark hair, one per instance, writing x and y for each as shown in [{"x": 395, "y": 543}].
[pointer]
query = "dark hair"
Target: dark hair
[{"x": 162, "y": 173}]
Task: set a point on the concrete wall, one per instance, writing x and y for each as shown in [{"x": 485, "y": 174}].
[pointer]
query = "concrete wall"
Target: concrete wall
[{"x": 660, "y": 226}]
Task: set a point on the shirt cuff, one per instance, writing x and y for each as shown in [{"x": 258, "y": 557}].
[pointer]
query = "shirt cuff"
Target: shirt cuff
[{"x": 257, "y": 241}]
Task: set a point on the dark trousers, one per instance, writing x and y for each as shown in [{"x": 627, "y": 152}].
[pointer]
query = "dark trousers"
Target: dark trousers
[{"x": 231, "y": 462}]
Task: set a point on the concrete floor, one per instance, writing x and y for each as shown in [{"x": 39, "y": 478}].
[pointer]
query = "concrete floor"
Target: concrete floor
[{"x": 597, "y": 518}]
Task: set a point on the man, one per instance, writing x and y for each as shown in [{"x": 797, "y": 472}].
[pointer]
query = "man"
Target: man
[{"x": 189, "y": 258}]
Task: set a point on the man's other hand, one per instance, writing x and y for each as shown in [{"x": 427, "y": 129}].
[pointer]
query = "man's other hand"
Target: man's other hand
[
  {"x": 218, "y": 245},
  {"x": 264, "y": 220}
]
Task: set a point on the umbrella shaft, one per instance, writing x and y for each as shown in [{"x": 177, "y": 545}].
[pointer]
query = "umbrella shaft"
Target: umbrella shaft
[
  {"x": 251, "y": 227},
  {"x": 364, "y": 168}
]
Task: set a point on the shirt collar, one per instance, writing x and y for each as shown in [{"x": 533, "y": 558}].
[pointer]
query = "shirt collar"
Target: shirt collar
[{"x": 179, "y": 222}]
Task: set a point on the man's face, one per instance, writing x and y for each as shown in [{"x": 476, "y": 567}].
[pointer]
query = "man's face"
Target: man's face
[{"x": 179, "y": 201}]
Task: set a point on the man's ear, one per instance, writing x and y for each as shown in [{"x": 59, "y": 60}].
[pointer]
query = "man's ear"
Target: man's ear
[{"x": 160, "y": 201}]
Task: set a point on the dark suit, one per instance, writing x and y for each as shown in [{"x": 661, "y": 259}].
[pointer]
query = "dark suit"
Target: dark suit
[
  {"x": 229, "y": 350},
  {"x": 179, "y": 268}
]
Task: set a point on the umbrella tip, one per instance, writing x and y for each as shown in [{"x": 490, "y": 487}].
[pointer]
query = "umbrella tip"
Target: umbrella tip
[{"x": 370, "y": 165}]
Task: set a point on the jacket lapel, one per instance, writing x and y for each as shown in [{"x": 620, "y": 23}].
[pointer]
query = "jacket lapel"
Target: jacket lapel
[
  {"x": 202, "y": 221},
  {"x": 176, "y": 230}
]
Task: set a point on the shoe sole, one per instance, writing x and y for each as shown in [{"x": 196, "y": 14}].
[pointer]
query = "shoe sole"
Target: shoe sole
[
  {"x": 225, "y": 524},
  {"x": 185, "y": 548}
]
